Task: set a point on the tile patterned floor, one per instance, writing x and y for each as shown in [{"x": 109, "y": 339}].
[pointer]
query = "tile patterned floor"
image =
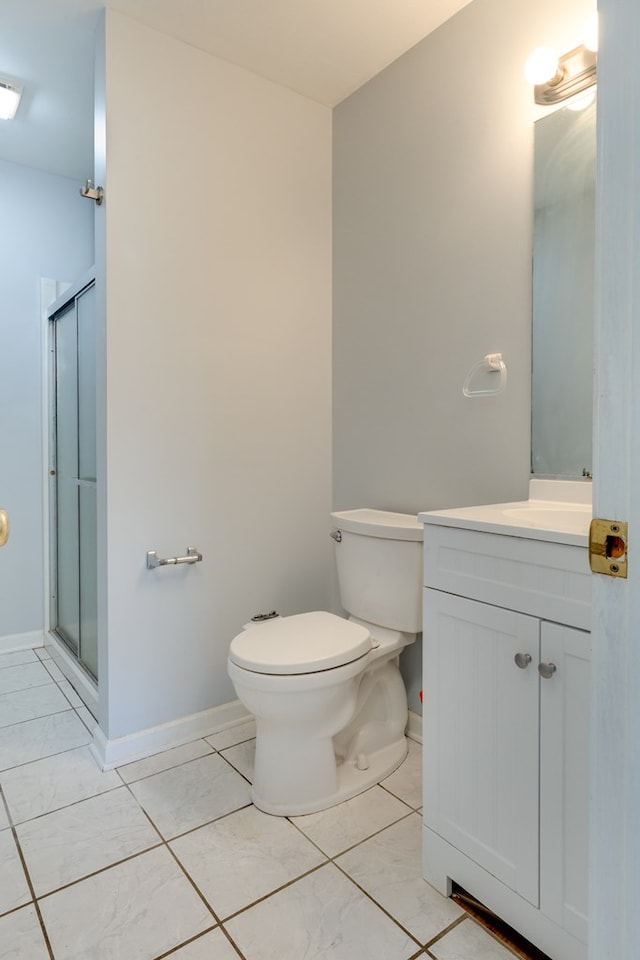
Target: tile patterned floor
[{"x": 168, "y": 858}]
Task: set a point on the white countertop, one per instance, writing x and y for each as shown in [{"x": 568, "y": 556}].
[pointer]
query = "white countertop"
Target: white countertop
[{"x": 541, "y": 518}]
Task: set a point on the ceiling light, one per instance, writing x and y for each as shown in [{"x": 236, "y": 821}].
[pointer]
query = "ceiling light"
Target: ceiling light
[{"x": 10, "y": 94}]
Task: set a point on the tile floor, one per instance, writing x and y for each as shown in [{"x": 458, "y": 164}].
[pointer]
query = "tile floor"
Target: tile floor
[{"x": 167, "y": 857}]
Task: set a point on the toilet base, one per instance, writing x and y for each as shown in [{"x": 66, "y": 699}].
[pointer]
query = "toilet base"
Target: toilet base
[{"x": 350, "y": 782}]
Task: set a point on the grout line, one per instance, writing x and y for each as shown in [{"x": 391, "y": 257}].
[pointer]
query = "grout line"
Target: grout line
[
  {"x": 96, "y": 873},
  {"x": 237, "y": 743},
  {"x": 57, "y": 753},
  {"x": 41, "y": 716},
  {"x": 401, "y": 799},
  {"x": 66, "y": 806},
  {"x": 29, "y": 686},
  {"x": 232, "y": 942},
  {"x": 174, "y": 766},
  {"x": 421, "y": 952},
  {"x": 207, "y": 823},
  {"x": 194, "y": 885},
  {"x": 267, "y": 896},
  {"x": 226, "y": 759},
  {"x": 379, "y": 905},
  {"x": 454, "y": 923},
  {"x": 199, "y": 936},
  {"x": 145, "y": 814},
  {"x": 370, "y": 836},
  {"x": 185, "y": 943},
  {"x": 34, "y": 899}
]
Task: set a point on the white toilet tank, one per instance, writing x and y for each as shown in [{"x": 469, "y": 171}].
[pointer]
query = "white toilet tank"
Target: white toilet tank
[{"x": 379, "y": 560}]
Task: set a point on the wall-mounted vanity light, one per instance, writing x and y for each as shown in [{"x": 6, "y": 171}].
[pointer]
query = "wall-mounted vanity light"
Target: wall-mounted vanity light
[
  {"x": 10, "y": 93},
  {"x": 555, "y": 78}
]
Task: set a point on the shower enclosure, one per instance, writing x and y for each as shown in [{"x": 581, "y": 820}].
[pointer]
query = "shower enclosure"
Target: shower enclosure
[{"x": 72, "y": 474}]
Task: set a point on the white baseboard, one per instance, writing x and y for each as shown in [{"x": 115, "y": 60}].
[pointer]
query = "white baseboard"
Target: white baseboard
[
  {"x": 21, "y": 641},
  {"x": 414, "y": 727},
  {"x": 145, "y": 743}
]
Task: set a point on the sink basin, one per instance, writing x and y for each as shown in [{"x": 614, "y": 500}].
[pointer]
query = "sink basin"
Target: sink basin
[
  {"x": 574, "y": 517},
  {"x": 556, "y": 521}
]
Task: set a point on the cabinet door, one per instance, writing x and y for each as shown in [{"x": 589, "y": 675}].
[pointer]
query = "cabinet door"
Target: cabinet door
[
  {"x": 481, "y": 735},
  {"x": 564, "y": 777}
]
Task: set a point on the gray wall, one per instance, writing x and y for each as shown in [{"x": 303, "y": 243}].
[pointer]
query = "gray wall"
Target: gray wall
[
  {"x": 433, "y": 164},
  {"x": 48, "y": 232},
  {"x": 214, "y": 415}
]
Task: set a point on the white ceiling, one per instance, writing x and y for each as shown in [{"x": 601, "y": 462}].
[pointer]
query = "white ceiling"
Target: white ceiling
[{"x": 323, "y": 49}]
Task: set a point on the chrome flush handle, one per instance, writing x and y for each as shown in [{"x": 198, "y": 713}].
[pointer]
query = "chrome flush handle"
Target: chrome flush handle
[
  {"x": 336, "y": 535},
  {"x": 522, "y": 660}
]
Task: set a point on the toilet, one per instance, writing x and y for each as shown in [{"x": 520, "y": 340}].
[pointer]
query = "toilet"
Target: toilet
[{"x": 326, "y": 692}]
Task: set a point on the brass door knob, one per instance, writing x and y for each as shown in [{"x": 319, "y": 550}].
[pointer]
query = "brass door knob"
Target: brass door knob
[{"x": 4, "y": 527}]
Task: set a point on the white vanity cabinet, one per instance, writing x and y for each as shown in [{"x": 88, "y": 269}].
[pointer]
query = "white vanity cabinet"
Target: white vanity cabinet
[{"x": 505, "y": 729}]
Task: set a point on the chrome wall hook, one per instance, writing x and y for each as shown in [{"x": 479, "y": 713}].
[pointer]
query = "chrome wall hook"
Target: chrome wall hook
[{"x": 91, "y": 192}]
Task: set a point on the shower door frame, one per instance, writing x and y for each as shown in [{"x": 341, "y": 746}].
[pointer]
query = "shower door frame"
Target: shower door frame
[{"x": 53, "y": 302}]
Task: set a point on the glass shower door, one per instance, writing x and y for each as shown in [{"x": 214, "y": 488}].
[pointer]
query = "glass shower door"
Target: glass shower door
[{"x": 74, "y": 553}]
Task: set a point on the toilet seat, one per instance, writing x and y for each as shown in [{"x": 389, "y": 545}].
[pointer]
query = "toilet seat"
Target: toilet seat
[{"x": 303, "y": 643}]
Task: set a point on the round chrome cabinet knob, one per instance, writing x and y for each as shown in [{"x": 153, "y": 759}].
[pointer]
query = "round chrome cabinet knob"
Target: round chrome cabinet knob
[
  {"x": 522, "y": 660},
  {"x": 546, "y": 670}
]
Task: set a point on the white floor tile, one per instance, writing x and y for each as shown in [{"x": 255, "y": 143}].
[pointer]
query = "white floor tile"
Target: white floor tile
[
  {"x": 212, "y": 946},
  {"x": 340, "y": 827},
  {"x": 469, "y": 941},
  {"x": 242, "y": 757},
  {"x": 21, "y": 937},
  {"x": 322, "y": 916},
  {"x": 136, "y": 910},
  {"x": 389, "y": 868},
  {"x": 233, "y": 735},
  {"x": 70, "y": 694},
  {"x": 243, "y": 857},
  {"x": 192, "y": 794},
  {"x": 54, "y": 671},
  {"x": 54, "y": 782},
  {"x": 87, "y": 718},
  {"x": 23, "y": 675},
  {"x": 14, "y": 891},
  {"x": 73, "y": 842},
  {"x": 31, "y": 703},
  {"x": 16, "y": 657},
  {"x": 406, "y": 782},
  {"x": 73, "y": 820},
  {"x": 164, "y": 761},
  {"x": 39, "y": 738}
]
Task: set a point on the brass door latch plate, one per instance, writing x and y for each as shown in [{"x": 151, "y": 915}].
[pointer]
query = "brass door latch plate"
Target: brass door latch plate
[
  {"x": 608, "y": 547},
  {"x": 4, "y": 527}
]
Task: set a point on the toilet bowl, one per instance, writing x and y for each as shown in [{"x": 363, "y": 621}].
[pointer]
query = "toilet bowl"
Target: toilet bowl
[{"x": 326, "y": 692}]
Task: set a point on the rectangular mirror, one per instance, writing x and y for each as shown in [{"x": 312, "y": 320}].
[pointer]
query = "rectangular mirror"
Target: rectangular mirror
[{"x": 563, "y": 294}]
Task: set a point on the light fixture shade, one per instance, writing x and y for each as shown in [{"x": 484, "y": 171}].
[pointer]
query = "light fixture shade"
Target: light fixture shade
[
  {"x": 590, "y": 33},
  {"x": 582, "y": 100},
  {"x": 10, "y": 93},
  {"x": 574, "y": 72},
  {"x": 541, "y": 65}
]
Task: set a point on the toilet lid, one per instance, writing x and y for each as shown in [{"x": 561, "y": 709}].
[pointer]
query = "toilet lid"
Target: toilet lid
[{"x": 304, "y": 643}]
